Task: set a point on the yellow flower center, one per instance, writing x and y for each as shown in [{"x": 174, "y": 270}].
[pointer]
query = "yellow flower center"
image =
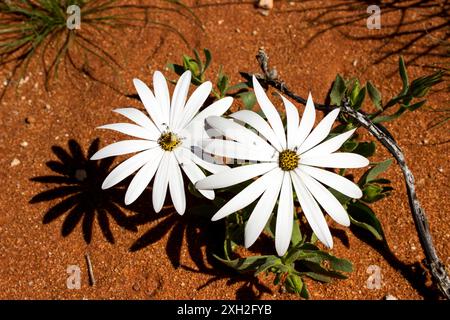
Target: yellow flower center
[
  {"x": 288, "y": 160},
  {"x": 169, "y": 141}
]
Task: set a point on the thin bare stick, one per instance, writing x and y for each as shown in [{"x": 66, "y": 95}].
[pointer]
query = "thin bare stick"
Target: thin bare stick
[
  {"x": 434, "y": 264},
  {"x": 90, "y": 270}
]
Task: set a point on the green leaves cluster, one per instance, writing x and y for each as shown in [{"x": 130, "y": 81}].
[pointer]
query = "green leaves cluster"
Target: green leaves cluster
[
  {"x": 195, "y": 64},
  {"x": 303, "y": 259},
  {"x": 223, "y": 88},
  {"x": 409, "y": 98},
  {"x": 39, "y": 27}
]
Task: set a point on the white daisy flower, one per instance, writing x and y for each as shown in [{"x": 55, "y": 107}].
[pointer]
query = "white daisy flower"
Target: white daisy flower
[
  {"x": 284, "y": 160},
  {"x": 166, "y": 140}
]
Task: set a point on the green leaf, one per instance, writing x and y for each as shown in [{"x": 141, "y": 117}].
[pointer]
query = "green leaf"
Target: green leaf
[
  {"x": 375, "y": 171},
  {"x": 363, "y": 216},
  {"x": 193, "y": 190},
  {"x": 296, "y": 233},
  {"x": 374, "y": 95},
  {"x": 199, "y": 61},
  {"x": 359, "y": 99},
  {"x": 293, "y": 284},
  {"x": 419, "y": 87},
  {"x": 366, "y": 149},
  {"x": 248, "y": 99},
  {"x": 391, "y": 117},
  {"x": 238, "y": 86},
  {"x": 178, "y": 69},
  {"x": 208, "y": 58},
  {"x": 355, "y": 91},
  {"x": 222, "y": 84},
  {"x": 372, "y": 193},
  {"x": 319, "y": 256},
  {"x": 338, "y": 90},
  {"x": 349, "y": 146},
  {"x": 191, "y": 64},
  {"x": 270, "y": 262},
  {"x": 342, "y": 198},
  {"x": 416, "y": 105},
  {"x": 336, "y": 263},
  {"x": 403, "y": 75},
  {"x": 245, "y": 264},
  {"x": 304, "y": 294},
  {"x": 320, "y": 273}
]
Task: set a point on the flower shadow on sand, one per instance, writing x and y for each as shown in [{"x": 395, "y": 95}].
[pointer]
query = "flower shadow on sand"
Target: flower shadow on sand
[
  {"x": 203, "y": 238},
  {"x": 77, "y": 183}
]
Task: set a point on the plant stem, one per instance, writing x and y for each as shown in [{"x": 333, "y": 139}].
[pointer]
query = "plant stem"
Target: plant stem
[{"x": 434, "y": 264}]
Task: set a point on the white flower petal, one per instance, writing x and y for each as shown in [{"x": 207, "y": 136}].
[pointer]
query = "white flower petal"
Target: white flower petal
[
  {"x": 195, "y": 102},
  {"x": 150, "y": 102},
  {"x": 216, "y": 109},
  {"x": 126, "y": 168},
  {"x": 247, "y": 195},
  {"x": 192, "y": 171},
  {"x": 179, "y": 99},
  {"x": 320, "y": 132},
  {"x": 263, "y": 210},
  {"x": 329, "y": 146},
  {"x": 162, "y": 95},
  {"x": 123, "y": 147},
  {"x": 307, "y": 121},
  {"x": 336, "y": 160},
  {"x": 325, "y": 198},
  {"x": 234, "y": 176},
  {"x": 143, "y": 176},
  {"x": 257, "y": 122},
  {"x": 203, "y": 160},
  {"x": 334, "y": 181},
  {"x": 132, "y": 130},
  {"x": 235, "y": 131},
  {"x": 176, "y": 185},
  {"x": 285, "y": 216},
  {"x": 270, "y": 111},
  {"x": 292, "y": 122},
  {"x": 161, "y": 182},
  {"x": 312, "y": 211},
  {"x": 237, "y": 150},
  {"x": 138, "y": 117}
]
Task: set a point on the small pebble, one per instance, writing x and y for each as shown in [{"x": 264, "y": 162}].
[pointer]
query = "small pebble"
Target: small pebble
[
  {"x": 24, "y": 80},
  {"x": 355, "y": 62},
  {"x": 390, "y": 297},
  {"x": 265, "y": 4},
  {"x": 254, "y": 32},
  {"x": 238, "y": 30},
  {"x": 24, "y": 144},
  {"x": 441, "y": 170},
  {"x": 220, "y": 22},
  {"x": 15, "y": 162}
]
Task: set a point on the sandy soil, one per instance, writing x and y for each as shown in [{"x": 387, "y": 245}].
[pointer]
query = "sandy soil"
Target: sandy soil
[{"x": 309, "y": 42}]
